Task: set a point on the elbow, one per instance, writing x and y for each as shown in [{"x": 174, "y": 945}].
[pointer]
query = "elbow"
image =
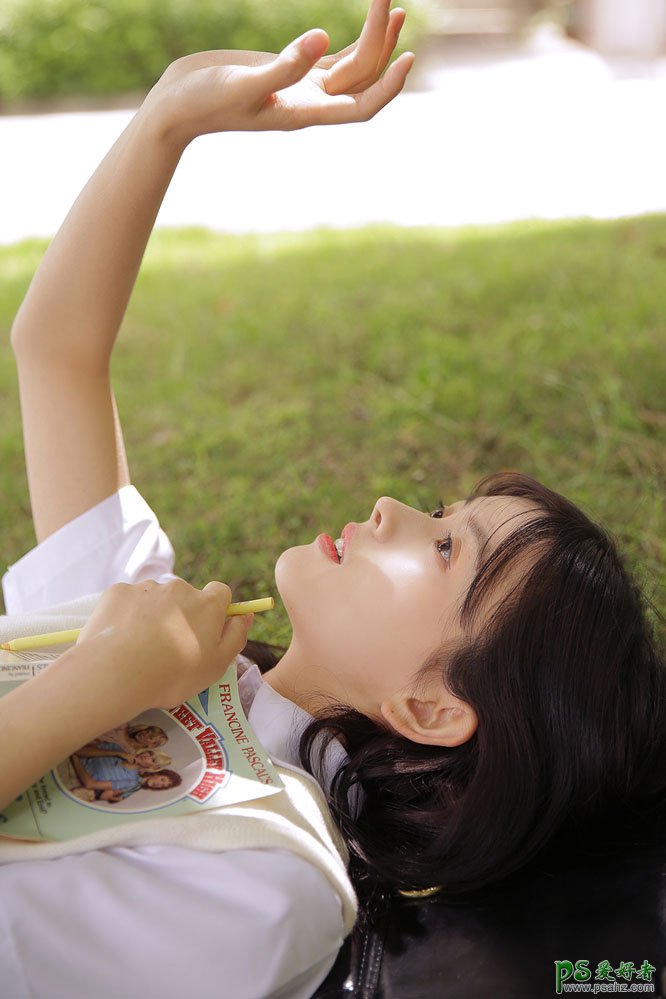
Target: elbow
[
  {"x": 18, "y": 340},
  {"x": 14, "y": 338},
  {"x": 17, "y": 330}
]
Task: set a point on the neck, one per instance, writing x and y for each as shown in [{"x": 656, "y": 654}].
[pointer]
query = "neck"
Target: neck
[{"x": 310, "y": 686}]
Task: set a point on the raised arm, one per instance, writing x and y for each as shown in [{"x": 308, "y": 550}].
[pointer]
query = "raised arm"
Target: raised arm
[{"x": 65, "y": 329}]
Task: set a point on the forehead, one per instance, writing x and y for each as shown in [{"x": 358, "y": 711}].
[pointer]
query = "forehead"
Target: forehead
[{"x": 497, "y": 515}]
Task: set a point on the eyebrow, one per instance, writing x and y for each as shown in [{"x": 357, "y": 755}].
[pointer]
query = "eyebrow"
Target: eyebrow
[{"x": 480, "y": 537}]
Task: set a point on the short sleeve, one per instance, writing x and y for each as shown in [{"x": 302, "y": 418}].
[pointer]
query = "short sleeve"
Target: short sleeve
[{"x": 117, "y": 541}]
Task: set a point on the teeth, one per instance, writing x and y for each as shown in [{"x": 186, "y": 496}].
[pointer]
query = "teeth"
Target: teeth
[{"x": 339, "y": 545}]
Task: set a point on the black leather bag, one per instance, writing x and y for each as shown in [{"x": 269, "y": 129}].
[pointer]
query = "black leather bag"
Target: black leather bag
[{"x": 506, "y": 945}]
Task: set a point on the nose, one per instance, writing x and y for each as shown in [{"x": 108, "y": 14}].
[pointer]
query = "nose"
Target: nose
[{"x": 386, "y": 515}]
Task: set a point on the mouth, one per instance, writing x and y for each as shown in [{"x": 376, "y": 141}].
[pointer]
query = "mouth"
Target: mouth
[
  {"x": 336, "y": 550},
  {"x": 327, "y": 545}
]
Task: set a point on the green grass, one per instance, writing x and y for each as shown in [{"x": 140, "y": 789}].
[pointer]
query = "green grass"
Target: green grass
[{"x": 273, "y": 387}]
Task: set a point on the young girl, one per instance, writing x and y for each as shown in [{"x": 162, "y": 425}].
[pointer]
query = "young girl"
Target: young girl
[
  {"x": 134, "y": 738},
  {"x": 100, "y": 774},
  {"x": 495, "y": 686},
  {"x": 143, "y": 759}
]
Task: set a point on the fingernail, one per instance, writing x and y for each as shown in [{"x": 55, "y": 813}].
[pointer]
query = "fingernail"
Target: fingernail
[{"x": 312, "y": 46}]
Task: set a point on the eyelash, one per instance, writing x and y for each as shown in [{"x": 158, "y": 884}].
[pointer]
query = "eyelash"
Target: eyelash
[{"x": 448, "y": 540}]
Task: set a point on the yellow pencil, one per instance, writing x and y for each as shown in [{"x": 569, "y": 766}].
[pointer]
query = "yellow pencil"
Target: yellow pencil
[{"x": 62, "y": 637}]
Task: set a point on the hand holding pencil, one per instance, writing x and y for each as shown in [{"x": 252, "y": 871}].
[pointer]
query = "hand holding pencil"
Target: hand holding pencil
[{"x": 163, "y": 642}]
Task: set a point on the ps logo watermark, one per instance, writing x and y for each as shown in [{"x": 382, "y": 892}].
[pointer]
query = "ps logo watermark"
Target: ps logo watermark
[{"x": 576, "y": 976}]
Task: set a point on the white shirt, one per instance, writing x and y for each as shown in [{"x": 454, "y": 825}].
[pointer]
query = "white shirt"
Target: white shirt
[{"x": 160, "y": 922}]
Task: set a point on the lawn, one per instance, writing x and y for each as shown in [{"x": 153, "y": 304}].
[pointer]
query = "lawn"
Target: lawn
[{"x": 272, "y": 387}]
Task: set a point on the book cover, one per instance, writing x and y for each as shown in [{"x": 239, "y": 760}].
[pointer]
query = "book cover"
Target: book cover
[{"x": 198, "y": 755}]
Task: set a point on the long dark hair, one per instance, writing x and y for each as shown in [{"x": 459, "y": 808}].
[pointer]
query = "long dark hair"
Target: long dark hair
[{"x": 570, "y": 692}]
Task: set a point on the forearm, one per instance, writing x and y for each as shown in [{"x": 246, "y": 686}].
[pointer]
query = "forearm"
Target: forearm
[
  {"x": 77, "y": 299},
  {"x": 49, "y": 717}
]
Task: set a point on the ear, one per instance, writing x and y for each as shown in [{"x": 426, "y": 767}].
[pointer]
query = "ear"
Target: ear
[{"x": 443, "y": 722}]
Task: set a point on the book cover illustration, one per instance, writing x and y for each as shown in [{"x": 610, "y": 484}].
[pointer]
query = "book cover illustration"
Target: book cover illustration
[{"x": 198, "y": 755}]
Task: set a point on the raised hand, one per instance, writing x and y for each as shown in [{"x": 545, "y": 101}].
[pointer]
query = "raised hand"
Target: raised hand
[{"x": 233, "y": 90}]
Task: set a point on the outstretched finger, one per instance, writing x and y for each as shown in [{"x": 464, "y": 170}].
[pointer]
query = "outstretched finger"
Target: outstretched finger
[
  {"x": 396, "y": 21},
  {"x": 361, "y": 107},
  {"x": 392, "y": 36},
  {"x": 291, "y": 65},
  {"x": 360, "y": 67}
]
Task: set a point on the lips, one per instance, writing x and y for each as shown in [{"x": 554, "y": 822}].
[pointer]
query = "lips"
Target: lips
[
  {"x": 347, "y": 536},
  {"x": 327, "y": 545}
]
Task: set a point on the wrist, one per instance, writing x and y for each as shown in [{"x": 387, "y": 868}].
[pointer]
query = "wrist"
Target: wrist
[
  {"x": 92, "y": 672},
  {"x": 99, "y": 668},
  {"x": 158, "y": 119}
]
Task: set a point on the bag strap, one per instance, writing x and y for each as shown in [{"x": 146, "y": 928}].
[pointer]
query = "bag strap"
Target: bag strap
[
  {"x": 357, "y": 969},
  {"x": 366, "y": 960}
]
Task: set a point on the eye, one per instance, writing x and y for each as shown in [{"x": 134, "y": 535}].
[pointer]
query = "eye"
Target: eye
[
  {"x": 439, "y": 510},
  {"x": 445, "y": 547}
]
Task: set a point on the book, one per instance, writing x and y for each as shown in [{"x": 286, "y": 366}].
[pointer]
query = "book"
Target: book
[{"x": 198, "y": 755}]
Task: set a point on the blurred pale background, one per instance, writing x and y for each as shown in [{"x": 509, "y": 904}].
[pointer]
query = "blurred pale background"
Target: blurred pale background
[{"x": 516, "y": 109}]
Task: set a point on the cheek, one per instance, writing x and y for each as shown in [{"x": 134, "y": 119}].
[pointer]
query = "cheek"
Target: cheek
[
  {"x": 401, "y": 567},
  {"x": 399, "y": 592},
  {"x": 372, "y": 610}
]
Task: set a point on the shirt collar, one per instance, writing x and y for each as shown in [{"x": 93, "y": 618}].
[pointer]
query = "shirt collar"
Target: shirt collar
[{"x": 279, "y": 724}]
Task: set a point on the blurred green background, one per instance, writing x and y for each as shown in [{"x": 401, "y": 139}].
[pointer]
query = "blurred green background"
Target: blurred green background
[
  {"x": 52, "y": 48},
  {"x": 273, "y": 387}
]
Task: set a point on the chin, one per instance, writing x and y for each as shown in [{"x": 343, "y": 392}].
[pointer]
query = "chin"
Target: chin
[
  {"x": 296, "y": 574},
  {"x": 288, "y": 572}
]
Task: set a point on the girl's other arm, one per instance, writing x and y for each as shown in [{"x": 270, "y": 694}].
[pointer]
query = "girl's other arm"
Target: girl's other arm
[
  {"x": 64, "y": 332},
  {"x": 74, "y": 306}
]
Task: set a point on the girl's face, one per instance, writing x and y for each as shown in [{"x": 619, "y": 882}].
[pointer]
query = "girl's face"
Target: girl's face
[
  {"x": 150, "y": 738},
  {"x": 159, "y": 780},
  {"x": 145, "y": 758},
  {"x": 364, "y": 626}
]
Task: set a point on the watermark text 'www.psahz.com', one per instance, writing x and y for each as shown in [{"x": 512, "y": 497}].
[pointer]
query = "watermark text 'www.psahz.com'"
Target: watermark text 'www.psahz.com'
[{"x": 577, "y": 976}]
